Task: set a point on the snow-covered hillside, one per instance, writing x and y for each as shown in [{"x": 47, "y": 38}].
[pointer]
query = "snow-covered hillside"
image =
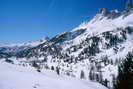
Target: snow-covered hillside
[{"x": 18, "y": 77}]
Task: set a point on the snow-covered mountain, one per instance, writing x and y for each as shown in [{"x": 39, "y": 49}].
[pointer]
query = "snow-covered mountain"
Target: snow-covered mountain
[
  {"x": 30, "y": 43},
  {"x": 91, "y": 51},
  {"x": 10, "y": 49}
]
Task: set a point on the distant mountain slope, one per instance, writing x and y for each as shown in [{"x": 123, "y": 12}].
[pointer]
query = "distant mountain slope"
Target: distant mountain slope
[{"x": 10, "y": 49}]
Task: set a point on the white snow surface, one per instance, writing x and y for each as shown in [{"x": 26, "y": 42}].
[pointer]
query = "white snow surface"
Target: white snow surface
[{"x": 19, "y": 77}]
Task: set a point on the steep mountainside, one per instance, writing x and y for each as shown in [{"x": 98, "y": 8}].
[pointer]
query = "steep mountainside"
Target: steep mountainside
[{"x": 91, "y": 51}]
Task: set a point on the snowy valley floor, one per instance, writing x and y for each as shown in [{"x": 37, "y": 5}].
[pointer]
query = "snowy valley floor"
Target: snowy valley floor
[{"x": 17, "y": 77}]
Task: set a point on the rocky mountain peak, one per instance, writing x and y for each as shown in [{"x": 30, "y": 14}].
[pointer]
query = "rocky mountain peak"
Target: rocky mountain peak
[
  {"x": 109, "y": 14},
  {"x": 104, "y": 11}
]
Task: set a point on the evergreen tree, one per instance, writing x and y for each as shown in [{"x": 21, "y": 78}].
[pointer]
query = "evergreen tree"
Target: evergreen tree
[
  {"x": 58, "y": 70},
  {"x": 52, "y": 68},
  {"x": 125, "y": 75},
  {"x": 34, "y": 64},
  {"x": 91, "y": 74},
  {"x": 82, "y": 75},
  {"x": 105, "y": 83}
]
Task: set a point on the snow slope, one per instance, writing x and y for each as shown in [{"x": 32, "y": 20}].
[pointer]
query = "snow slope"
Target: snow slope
[{"x": 18, "y": 77}]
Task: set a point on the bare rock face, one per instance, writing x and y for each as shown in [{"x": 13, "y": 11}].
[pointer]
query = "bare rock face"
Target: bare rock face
[
  {"x": 114, "y": 14},
  {"x": 109, "y": 14},
  {"x": 104, "y": 12}
]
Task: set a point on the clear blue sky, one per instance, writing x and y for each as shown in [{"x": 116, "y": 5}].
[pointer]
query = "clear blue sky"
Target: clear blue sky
[{"x": 28, "y": 20}]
